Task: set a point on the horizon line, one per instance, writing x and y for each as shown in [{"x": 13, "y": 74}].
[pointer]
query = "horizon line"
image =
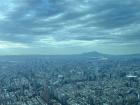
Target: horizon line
[{"x": 67, "y": 54}]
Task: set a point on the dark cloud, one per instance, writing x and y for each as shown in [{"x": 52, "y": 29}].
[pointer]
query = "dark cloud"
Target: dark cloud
[{"x": 28, "y": 21}]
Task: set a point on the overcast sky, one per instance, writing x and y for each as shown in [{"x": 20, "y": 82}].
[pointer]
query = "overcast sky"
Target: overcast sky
[{"x": 69, "y": 26}]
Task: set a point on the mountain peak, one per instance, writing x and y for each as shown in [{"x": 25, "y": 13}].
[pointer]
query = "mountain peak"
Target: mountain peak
[{"x": 94, "y": 53}]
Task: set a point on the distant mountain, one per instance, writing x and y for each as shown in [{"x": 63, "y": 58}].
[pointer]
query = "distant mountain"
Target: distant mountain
[
  {"x": 93, "y": 54},
  {"x": 97, "y": 54}
]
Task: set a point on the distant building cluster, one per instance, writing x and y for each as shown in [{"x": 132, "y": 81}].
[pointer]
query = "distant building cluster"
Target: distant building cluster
[{"x": 69, "y": 80}]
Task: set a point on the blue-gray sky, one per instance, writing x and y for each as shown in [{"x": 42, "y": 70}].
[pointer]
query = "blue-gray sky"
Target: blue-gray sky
[{"x": 69, "y": 26}]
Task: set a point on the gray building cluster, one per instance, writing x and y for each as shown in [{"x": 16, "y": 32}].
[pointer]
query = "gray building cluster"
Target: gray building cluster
[{"x": 69, "y": 80}]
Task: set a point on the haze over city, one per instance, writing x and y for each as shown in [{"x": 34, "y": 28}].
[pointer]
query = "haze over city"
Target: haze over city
[
  {"x": 69, "y": 26},
  {"x": 69, "y": 52}
]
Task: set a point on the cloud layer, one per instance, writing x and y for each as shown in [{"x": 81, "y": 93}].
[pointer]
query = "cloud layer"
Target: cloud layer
[{"x": 87, "y": 24}]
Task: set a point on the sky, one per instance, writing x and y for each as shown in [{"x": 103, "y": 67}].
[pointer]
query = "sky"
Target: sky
[{"x": 69, "y": 26}]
